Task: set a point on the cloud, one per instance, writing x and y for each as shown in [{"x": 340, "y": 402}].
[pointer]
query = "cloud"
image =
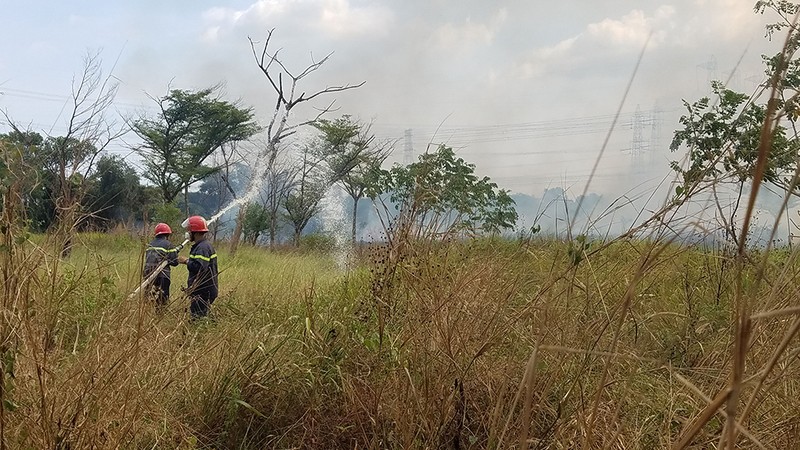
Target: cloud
[
  {"x": 260, "y": 10},
  {"x": 340, "y": 19},
  {"x": 604, "y": 40},
  {"x": 334, "y": 19},
  {"x": 211, "y": 34},
  {"x": 539, "y": 60},
  {"x": 463, "y": 36},
  {"x": 633, "y": 28},
  {"x": 723, "y": 21}
]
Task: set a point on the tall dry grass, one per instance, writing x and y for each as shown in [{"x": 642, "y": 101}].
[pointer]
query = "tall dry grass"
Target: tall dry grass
[{"x": 487, "y": 343}]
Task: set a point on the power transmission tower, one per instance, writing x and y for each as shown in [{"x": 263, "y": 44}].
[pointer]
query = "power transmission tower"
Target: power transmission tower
[
  {"x": 641, "y": 148},
  {"x": 655, "y": 129},
  {"x": 637, "y": 143},
  {"x": 408, "y": 149},
  {"x": 637, "y": 124}
]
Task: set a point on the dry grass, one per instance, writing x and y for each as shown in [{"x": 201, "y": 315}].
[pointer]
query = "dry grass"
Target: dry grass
[{"x": 484, "y": 344}]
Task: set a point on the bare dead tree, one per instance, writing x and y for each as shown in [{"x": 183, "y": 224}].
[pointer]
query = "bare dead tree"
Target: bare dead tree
[
  {"x": 229, "y": 156},
  {"x": 89, "y": 131},
  {"x": 286, "y": 85}
]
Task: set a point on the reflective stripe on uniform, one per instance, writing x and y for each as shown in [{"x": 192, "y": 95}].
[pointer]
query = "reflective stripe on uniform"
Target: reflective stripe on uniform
[
  {"x": 162, "y": 249},
  {"x": 207, "y": 259}
]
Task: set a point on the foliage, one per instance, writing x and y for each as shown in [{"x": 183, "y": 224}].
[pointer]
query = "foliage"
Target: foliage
[
  {"x": 723, "y": 140},
  {"x": 352, "y": 157},
  {"x": 441, "y": 187},
  {"x": 301, "y": 201},
  {"x": 256, "y": 221},
  {"x": 50, "y": 172},
  {"x": 317, "y": 242},
  {"x": 115, "y": 194},
  {"x": 785, "y": 10},
  {"x": 189, "y": 128},
  {"x": 167, "y": 213},
  {"x": 341, "y": 145}
]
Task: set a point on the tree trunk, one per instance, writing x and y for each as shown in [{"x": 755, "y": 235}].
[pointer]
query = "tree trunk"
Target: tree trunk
[
  {"x": 297, "y": 234},
  {"x": 355, "y": 215},
  {"x": 186, "y": 199},
  {"x": 237, "y": 232},
  {"x": 65, "y": 218},
  {"x": 273, "y": 229}
]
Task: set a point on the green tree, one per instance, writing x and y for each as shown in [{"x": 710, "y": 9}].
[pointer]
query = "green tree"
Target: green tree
[
  {"x": 53, "y": 183},
  {"x": 256, "y": 221},
  {"x": 441, "y": 194},
  {"x": 723, "y": 139},
  {"x": 724, "y": 134},
  {"x": 307, "y": 189},
  {"x": 22, "y": 165},
  {"x": 189, "y": 128},
  {"x": 349, "y": 150},
  {"x": 115, "y": 194}
]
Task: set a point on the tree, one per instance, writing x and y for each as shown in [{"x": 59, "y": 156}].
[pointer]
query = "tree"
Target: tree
[
  {"x": 24, "y": 165},
  {"x": 737, "y": 137},
  {"x": 306, "y": 191},
  {"x": 188, "y": 129},
  {"x": 285, "y": 83},
  {"x": 22, "y": 169},
  {"x": 89, "y": 132},
  {"x": 351, "y": 155},
  {"x": 278, "y": 185},
  {"x": 723, "y": 140},
  {"x": 256, "y": 221},
  {"x": 440, "y": 194},
  {"x": 115, "y": 194},
  {"x": 67, "y": 161}
]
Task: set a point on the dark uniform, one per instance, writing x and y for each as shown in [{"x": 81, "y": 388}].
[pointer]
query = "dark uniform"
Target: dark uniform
[
  {"x": 203, "y": 275},
  {"x": 159, "y": 250}
]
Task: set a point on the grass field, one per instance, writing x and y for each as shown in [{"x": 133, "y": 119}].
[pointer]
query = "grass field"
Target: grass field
[{"x": 479, "y": 344}]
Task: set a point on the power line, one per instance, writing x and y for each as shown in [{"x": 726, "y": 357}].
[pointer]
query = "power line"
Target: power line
[
  {"x": 50, "y": 97},
  {"x": 461, "y": 136}
]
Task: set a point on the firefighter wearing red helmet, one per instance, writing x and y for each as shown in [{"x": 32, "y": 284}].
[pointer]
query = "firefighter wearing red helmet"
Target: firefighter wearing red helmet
[
  {"x": 203, "y": 284},
  {"x": 159, "y": 250}
]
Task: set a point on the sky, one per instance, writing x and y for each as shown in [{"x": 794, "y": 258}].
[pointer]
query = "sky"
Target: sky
[{"x": 526, "y": 90}]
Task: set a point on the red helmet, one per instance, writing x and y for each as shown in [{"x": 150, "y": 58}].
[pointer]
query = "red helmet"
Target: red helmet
[
  {"x": 163, "y": 228},
  {"x": 196, "y": 224}
]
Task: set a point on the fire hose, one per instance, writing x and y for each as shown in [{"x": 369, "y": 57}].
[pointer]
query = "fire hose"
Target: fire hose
[{"x": 149, "y": 280}]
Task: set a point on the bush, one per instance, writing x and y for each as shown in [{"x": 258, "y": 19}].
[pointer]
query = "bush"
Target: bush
[
  {"x": 317, "y": 242},
  {"x": 167, "y": 213}
]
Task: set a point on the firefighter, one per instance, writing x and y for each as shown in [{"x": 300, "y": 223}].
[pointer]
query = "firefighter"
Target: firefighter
[
  {"x": 159, "y": 250},
  {"x": 203, "y": 284}
]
